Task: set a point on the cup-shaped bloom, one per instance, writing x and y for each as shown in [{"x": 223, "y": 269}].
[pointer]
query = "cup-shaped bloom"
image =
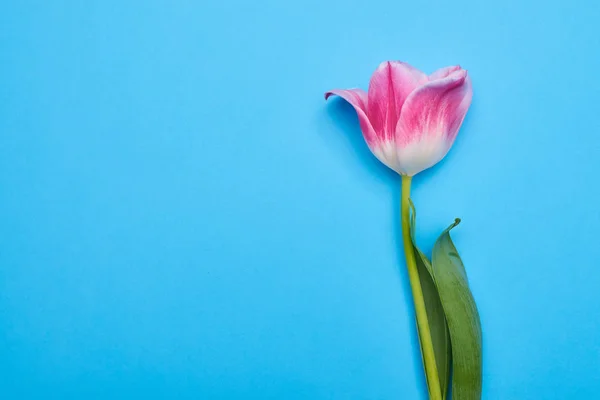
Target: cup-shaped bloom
[{"x": 410, "y": 120}]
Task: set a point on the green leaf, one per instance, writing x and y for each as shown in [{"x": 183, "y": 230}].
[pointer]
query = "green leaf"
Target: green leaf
[
  {"x": 435, "y": 313},
  {"x": 462, "y": 318}
]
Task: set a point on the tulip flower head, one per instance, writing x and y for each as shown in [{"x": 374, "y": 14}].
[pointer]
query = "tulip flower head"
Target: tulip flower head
[{"x": 410, "y": 120}]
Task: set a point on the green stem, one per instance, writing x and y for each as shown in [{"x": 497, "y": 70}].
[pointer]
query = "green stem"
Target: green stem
[{"x": 430, "y": 365}]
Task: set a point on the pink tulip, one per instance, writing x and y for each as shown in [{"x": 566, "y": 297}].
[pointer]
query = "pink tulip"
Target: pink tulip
[{"x": 410, "y": 120}]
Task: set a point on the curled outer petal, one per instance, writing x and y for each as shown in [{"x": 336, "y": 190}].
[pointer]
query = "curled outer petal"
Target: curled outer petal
[
  {"x": 383, "y": 149},
  {"x": 358, "y": 99}
]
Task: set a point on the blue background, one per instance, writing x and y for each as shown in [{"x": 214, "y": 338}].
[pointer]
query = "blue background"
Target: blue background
[{"x": 182, "y": 215}]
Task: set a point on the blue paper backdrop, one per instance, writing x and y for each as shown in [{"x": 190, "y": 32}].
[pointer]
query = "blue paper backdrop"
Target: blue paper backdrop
[{"x": 183, "y": 216}]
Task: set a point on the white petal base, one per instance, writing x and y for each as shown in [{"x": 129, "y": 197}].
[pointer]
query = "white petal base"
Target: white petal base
[
  {"x": 386, "y": 153},
  {"x": 422, "y": 154}
]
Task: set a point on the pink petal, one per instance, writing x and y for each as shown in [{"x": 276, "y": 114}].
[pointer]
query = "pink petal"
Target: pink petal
[
  {"x": 358, "y": 99},
  {"x": 438, "y": 107},
  {"x": 390, "y": 85},
  {"x": 443, "y": 72},
  {"x": 430, "y": 120}
]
